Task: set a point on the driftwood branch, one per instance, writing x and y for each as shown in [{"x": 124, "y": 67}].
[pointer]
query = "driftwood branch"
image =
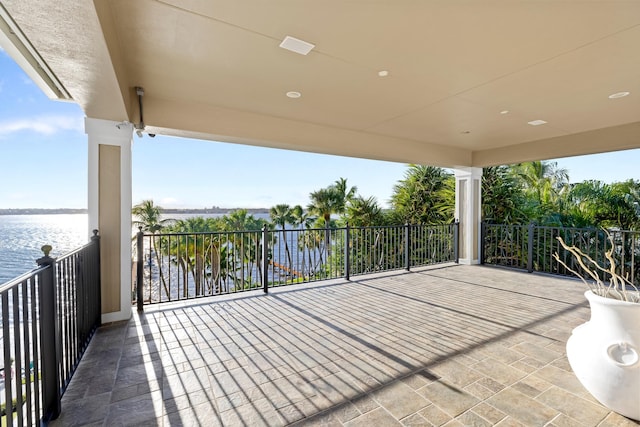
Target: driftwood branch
[{"x": 618, "y": 286}]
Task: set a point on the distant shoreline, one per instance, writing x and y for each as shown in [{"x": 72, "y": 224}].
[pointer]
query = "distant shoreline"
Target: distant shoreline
[{"x": 63, "y": 211}]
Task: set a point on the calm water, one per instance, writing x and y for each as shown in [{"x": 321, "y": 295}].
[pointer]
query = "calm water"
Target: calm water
[{"x": 22, "y": 236}]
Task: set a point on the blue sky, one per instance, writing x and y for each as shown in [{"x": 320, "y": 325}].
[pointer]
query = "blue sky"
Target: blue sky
[{"x": 43, "y": 162}]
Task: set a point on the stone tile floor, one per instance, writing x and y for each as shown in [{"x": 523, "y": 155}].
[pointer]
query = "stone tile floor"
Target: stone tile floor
[{"x": 453, "y": 346}]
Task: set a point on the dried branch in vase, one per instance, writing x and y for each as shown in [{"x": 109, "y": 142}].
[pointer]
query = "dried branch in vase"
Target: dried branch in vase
[{"x": 618, "y": 287}]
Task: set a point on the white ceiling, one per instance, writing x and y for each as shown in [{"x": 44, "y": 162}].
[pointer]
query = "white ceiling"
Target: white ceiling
[{"x": 213, "y": 70}]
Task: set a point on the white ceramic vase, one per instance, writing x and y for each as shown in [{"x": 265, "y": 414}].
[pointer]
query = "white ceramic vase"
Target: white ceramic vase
[{"x": 604, "y": 353}]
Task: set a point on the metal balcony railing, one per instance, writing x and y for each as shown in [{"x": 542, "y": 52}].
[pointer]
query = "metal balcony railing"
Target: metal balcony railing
[
  {"x": 531, "y": 247},
  {"x": 179, "y": 266},
  {"x": 48, "y": 318}
]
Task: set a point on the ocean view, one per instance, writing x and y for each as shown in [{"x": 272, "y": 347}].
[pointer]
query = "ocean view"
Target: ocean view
[{"x": 22, "y": 236}]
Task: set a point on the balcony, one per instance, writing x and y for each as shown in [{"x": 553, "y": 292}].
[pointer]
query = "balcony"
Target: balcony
[
  {"x": 440, "y": 345},
  {"x": 488, "y": 349}
]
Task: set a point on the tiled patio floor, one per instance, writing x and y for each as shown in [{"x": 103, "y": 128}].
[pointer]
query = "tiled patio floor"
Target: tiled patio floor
[{"x": 454, "y": 346}]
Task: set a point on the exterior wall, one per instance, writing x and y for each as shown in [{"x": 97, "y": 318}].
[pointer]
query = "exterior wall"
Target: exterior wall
[
  {"x": 109, "y": 225},
  {"x": 110, "y": 211}
]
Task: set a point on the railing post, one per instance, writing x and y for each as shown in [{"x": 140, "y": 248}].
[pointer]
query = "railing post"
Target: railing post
[
  {"x": 347, "y": 253},
  {"x": 456, "y": 241},
  {"x": 140, "y": 269},
  {"x": 265, "y": 261},
  {"x": 49, "y": 337},
  {"x": 97, "y": 296},
  {"x": 483, "y": 241},
  {"x": 530, "y": 248},
  {"x": 407, "y": 246}
]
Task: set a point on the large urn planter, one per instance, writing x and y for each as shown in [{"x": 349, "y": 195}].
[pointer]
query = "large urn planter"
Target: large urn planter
[{"x": 604, "y": 353}]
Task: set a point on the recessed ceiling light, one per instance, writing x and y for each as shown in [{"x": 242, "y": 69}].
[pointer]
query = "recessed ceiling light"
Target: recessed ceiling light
[
  {"x": 504, "y": 112},
  {"x": 296, "y": 45},
  {"x": 465, "y": 132},
  {"x": 383, "y": 73},
  {"x": 536, "y": 122},
  {"x": 618, "y": 95},
  {"x": 293, "y": 94}
]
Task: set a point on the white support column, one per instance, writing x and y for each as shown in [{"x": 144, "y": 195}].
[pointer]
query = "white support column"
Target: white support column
[
  {"x": 109, "y": 201},
  {"x": 469, "y": 212}
]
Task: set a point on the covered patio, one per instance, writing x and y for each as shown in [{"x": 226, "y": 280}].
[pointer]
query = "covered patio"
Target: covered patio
[
  {"x": 449, "y": 345},
  {"x": 457, "y": 84},
  {"x": 461, "y": 84}
]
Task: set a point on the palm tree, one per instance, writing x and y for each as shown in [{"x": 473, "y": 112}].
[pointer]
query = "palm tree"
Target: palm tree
[
  {"x": 363, "y": 212},
  {"x": 212, "y": 259},
  {"x": 281, "y": 215},
  {"x": 607, "y": 205},
  {"x": 149, "y": 216},
  {"x": 300, "y": 218},
  {"x": 344, "y": 195},
  {"x": 633, "y": 200},
  {"x": 241, "y": 220},
  {"x": 503, "y": 199},
  {"x": 535, "y": 173},
  {"x": 424, "y": 196},
  {"x": 324, "y": 202},
  {"x": 312, "y": 240},
  {"x": 585, "y": 203},
  {"x": 150, "y": 220},
  {"x": 247, "y": 247},
  {"x": 625, "y": 204},
  {"x": 195, "y": 252},
  {"x": 545, "y": 184}
]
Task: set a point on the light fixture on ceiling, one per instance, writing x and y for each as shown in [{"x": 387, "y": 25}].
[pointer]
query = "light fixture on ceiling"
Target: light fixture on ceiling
[
  {"x": 537, "y": 122},
  {"x": 465, "y": 132},
  {"x": 504, "y": 112},
  {"x": 619, "y": 95},
  {"x": 296, "y": 45},
  {"x": 293, "y": 94},
  {"x": 18, "y": 46},
  {"x": 140, "y": 127},
  {"x": 383, "y": 73}
]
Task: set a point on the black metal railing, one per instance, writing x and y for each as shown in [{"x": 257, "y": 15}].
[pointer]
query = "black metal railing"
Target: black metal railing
[
  {"x": 531, "y": 247},
  {"x": 48, "y": 318},
  {"x": 179, "y": 266},
  {"x": 79, "y": 304}
]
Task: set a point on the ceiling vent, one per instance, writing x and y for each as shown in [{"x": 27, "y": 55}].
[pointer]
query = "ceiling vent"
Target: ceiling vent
[{"x": 296, "y": 45}]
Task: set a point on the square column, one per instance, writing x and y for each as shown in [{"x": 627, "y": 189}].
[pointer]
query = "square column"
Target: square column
[
  {"x": 110, "y": 211},
  {"x": 469, "y": 212}
]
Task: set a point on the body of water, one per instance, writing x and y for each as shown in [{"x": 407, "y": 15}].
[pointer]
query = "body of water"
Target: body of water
[{"x": 22, "y": 236}]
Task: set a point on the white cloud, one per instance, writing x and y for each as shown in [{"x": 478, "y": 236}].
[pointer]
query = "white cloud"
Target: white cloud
[{"x": 44, "y": 125}]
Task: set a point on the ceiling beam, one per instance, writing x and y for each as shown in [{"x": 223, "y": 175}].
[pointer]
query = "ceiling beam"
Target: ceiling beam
[
  {"x": 209, "y": 122},
  {"x": 623, "y": 137}
]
